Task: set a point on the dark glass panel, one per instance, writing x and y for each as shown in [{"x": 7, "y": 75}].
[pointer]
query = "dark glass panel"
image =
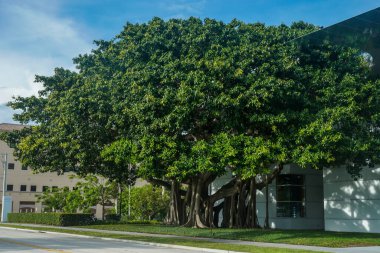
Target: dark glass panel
[
  {"x": 361, "y": 32},
  {"x": 290, "y": 209},
  {"x": 290, "y": 179},
  {"x": 290, "y": 193}
]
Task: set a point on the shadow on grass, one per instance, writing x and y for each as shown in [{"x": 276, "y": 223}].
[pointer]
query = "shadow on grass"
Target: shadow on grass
[{"x": 300, "y": 237}]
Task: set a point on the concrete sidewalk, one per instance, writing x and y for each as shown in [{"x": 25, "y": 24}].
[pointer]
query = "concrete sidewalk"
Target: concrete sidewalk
[{"x": 372, "y": 249}]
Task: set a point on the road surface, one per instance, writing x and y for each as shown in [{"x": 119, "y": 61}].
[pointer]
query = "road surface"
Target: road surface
[{"x": 12, "y": 241}]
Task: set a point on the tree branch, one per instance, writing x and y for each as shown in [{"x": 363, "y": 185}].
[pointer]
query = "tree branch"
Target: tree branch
[
  {"x": 167, "y": 185},
  {"x": 274, "y": 174}
]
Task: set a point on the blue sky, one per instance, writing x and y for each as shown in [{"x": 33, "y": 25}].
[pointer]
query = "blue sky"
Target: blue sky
[{"x": 39, "y": 35}]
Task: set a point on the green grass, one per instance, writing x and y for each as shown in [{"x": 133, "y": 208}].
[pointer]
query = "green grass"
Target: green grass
[
  {"x": 175, "y": 241},
  {"x": 299, "y": 237}
]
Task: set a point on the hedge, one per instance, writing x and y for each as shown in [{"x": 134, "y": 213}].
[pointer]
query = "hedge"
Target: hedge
[
  {"x": 55, "y": 219},
  {"x": 112, "y": 217}
]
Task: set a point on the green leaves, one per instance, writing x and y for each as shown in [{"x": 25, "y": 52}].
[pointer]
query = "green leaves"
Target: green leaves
[
  {"x": 180, "y": 98},
  {"x": 87, "y": 193},
  {"x": 147, "y": 203}
]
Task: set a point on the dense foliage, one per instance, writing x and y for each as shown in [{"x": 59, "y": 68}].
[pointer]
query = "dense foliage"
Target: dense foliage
[
  {"x": 146, "y": 203},
  {"x": 186, "y": 101},
  {"x": 87, "y": 193},
  {"x": 54, "y": 219}
]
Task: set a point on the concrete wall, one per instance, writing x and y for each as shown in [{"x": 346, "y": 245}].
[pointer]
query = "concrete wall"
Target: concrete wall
[
  {"x": 18, "y": 177},
  {"x": 313, "y": 200},
  {"x": 352, "y": 206}
]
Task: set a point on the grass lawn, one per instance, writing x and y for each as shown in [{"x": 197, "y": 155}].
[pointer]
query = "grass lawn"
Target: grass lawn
[
  {"x": 176, "y": 241},
  {"x": 301, "y": 237}
]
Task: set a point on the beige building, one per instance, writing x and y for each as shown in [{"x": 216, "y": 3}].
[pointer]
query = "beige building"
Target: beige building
[{"x": 22, "y": 184}]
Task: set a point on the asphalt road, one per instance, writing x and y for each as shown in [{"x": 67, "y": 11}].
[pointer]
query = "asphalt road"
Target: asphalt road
[{"x": 12, "y": 241}]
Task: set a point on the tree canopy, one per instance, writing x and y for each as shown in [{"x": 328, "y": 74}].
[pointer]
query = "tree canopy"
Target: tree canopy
[{"x": 186, "y": 101}]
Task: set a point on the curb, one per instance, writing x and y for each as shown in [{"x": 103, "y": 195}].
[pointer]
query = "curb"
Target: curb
[{"x": 130, "y": 241}]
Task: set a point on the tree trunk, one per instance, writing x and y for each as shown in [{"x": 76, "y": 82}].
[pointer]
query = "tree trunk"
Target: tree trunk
[
  {"x": 187, "y": 203},
  {"x": 195, "y": 218},
  {"x": 255, "y": 221},
  {"x": 120, "y": 199},
  {"x": 232, "y": 210},
  {"x": 209, "y": 213},
  {"x": 217, "y": 210},
  {"x": 226, "y": 212},
  {"x": 241, "y": 209},
  {"x": 175, "y": 204},
  {"x": 103, "y": 210},
  {"x": 266, "y": 222},
  {"x": 251, "y": 219}
]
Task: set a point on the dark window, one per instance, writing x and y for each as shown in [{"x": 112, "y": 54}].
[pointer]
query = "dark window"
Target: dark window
[
  {"x": 22, "y": 188},
  {"x": 54, "y": 188},
  {"x": 23, "y": 167},
  {"x": 27, "y": 207},
  {"x": 291, "y": 196},
  {"x": 11, "y": 166},
  {"x": 9, "y": 187},
  {"x": 33, "y": 188},
  {"x": 27, "y": 203},
  {"x": 45, "y": 188}
]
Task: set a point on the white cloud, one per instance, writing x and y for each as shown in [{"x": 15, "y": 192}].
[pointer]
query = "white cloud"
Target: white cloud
[
  {"x": 34, "y": 40},
  {"x": 6, "y": 113}
]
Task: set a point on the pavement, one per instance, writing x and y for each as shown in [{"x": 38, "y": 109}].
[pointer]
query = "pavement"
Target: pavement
[
  {"x": 372, "y": 249},
  {"x": 16, "y": 241}
]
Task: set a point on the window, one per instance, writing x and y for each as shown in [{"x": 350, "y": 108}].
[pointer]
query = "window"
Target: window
[
  {"x": 54, "y": 188},
  {"x": 23, "y": 167},
  {"x": 290, "y": 196},
  {"x": 9, "y": 187},
  {"x": 45, "y": 188},
  {"x": 27, "y": 207},
  {"x": 22, "y": 188},
  {"x": 33, "y": 188},
  {"x": 11, "y": 166}
]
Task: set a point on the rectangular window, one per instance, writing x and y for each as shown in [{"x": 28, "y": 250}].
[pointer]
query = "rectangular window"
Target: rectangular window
[
  {"x": 290, "y": 191},
  {"x": 23, "y": 167},
  {"x": 27, "y": 207},
  {"x": 9, "y": 187},
  {"x": 11, "y": 166},
  {"x": 33, "y": 188},
  {"x": 45, "y": 188},
  {"x": 54, "y": 188},
  {"x": 22, "y": 188}
]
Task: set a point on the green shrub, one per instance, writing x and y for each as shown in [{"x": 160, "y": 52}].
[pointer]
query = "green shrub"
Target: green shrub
[
  {"x": 112, "y": 217},
  {"x": 55, "y": 219},
  {"x": 147, "y": 203}
]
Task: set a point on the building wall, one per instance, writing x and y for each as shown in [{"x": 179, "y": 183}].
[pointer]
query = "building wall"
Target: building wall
[
  {"x": 313, "y": 219},
  {"x": 313, "y": 202},
  {"x": 352, "y": 206},
  {"x": 18, "y": 177}
]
